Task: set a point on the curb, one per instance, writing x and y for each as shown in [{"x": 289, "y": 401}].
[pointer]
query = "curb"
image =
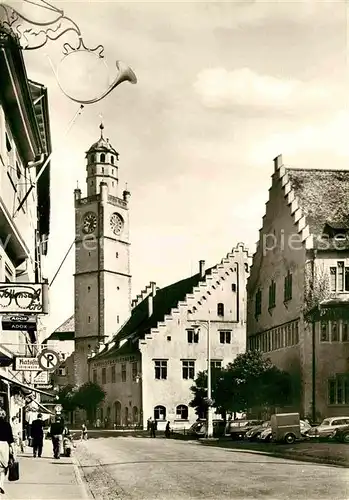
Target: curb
[{"x": 86, "y": 493}]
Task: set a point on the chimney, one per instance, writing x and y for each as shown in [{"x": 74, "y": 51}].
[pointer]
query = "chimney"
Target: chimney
[
  {"x": 202, "y": 268},
  {"x": 151, "y": 298}
]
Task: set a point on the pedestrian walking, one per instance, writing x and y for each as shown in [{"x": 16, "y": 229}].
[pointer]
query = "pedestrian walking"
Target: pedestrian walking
[
  {"x": 56, "y": 432},
  {"x": 153, "y": 428},
  {"x": 168, "y": 430},
  {"x": 6, "y": 448},
  {"x": 149, "y": 423},
  {"x": 84, "y": 432},
  {"x": 37, "y": 435}
]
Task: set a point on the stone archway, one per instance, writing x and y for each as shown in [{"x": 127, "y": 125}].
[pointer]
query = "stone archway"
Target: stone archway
[{"x": 117, "y": 413}]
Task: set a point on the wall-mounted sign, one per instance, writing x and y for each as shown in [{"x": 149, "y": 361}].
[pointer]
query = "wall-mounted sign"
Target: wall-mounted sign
[
  {"x": 39, "y": 378},
  {"x": 26, "y": 364},
  {"x": 44, "y": 386},
  {"x": 19, "y": 322},
  {"x": 48, "y": 359},
  {"x": 27, "y": 298}
]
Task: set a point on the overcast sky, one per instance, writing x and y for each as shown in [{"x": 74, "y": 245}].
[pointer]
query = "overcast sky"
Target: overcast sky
[{"x": 223, "y": 88}]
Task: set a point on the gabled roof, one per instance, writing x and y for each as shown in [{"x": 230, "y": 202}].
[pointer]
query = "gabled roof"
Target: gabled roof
[
  {"x": 323, "y": 196},
  {"x": 140, "y": 323},
  {"x": 66, "y": 331}
]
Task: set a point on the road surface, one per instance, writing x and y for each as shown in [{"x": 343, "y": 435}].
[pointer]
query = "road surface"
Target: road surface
[{"x": 160, "y": 469}]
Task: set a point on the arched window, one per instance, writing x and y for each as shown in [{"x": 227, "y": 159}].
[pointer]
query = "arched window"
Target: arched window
[
  {"x": 220, "y": 309},
  {"x": 102, "y": 158},
  {"x": 135, "y": 415},
  {"x": 159, "y": 413},
  {"x": 126, "y": 416},
  {"x": 112, "y": 160},
  {"x": 182, "y": 412}
]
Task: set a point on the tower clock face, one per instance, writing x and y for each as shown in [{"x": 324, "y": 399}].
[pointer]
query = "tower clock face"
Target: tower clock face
[
  {"x": 116, "y": 223},
  {"x": 89, "y": 222}
]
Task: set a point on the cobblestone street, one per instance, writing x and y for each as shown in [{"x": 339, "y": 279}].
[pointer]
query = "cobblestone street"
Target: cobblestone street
[{"x": 170, "y": 470}]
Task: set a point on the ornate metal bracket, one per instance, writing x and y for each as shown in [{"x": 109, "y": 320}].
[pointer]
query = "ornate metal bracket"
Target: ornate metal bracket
[{"x": 16, "y": 24}]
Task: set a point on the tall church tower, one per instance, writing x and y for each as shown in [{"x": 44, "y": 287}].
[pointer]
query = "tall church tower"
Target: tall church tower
[{"x": 102, "y": 255}]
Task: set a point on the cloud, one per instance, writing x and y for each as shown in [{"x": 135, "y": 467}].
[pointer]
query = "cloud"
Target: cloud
[
  {"x": 220, "y": 88},
  {"x": 328, "y": 139}
]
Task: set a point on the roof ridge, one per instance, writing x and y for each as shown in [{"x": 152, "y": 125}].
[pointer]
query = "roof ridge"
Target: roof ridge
[{"x": 66, "y": 321}]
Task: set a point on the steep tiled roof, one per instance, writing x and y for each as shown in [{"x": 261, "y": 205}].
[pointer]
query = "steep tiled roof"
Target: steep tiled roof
[
  {"x": 65, "y": 331},
  {"x": 323, "y": 196},
  {"x": 164, "y": 300}
]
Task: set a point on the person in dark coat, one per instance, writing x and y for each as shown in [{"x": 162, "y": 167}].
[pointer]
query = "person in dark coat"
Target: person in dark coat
[
  {"x": 168, "y": 430},
  {"x": 37, "y": 435},
  {"x": 153, "y": 428},
  {"x": 6, "y": 447},
  {"x": 56, "y": 433}
]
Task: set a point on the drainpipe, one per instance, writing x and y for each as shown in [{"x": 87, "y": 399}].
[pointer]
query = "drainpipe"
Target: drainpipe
[{"x": 313, "y": 350}]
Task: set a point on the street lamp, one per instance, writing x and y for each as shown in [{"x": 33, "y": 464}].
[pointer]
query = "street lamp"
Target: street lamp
[{"x": 207, "y": 325}]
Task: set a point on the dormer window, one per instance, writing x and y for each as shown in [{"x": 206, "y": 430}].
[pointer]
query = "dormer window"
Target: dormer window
[
  {"x": 102, "y": 158},
  {"x": 337, "y": 230}
]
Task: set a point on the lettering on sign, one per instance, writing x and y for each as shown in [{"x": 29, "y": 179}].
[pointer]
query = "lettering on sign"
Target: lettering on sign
[
  {"x": 17, "y": 298},
  {"x": 27, "y": 364},
  {"x": 115, "y": 360}
]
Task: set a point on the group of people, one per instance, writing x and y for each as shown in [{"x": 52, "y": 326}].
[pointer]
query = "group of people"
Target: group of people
[{"x": 152, "y": 427}]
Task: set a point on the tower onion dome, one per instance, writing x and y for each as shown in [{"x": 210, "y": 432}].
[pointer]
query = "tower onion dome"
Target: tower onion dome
[{"x": 102, "y": 145}]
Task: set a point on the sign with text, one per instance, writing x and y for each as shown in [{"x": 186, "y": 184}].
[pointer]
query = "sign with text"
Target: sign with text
[
  {"x": 27, "y": 298},
  {"x": 19, "y": 322},
  {"x": 39, "y": 378},
  {"x": 27, "y": 364},
  {"x": 44, "y": 386}
]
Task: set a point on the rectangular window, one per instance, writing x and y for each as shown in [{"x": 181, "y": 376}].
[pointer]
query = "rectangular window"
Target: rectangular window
[
  {"x": 104, "y": 375},
  {"x": 272, "y": 294},
  {"x": 296, "y": 330},
  {"x": 225, "y": 337},
  {"x": 188, "y": 369},
  {"x": 345, "y": 331},
  {"x": 123, "y": 372},
  {"x": 113, "y": 374},
  {"x": 338, "y": 390},
  {"x": 193, "y": 336},
  {"x": 216, "y": 364},
  {"x": 62, "y": 372},
  {"x": 333, "y": 279},
  {"x": 160, "y": 367},
  {"x": 94, "y": 376},
  {"x": 288, "y": 287},
  {"x": 324, "y": 333},
  {"x": 258, "y": 303},
  {"x": 334, "y": 331},
  {"x": 134, "y": 370},
  {"x": 340, "y": 267}
]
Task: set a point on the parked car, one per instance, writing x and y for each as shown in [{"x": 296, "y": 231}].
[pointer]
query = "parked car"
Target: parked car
[
  {"x": 341, "y": 434},
  {"x": 327, "y": 427},
  {"x": 267, "y": 434},
  {"x": 238, "y": 428},
  {"x": 199, "y": 428},
  {"x": 254, "y": 433}
]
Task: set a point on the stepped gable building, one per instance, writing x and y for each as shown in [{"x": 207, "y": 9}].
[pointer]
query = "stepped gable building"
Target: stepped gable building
[
  {"x": 298, "y": 289},
  {"x": 149, "y": 366}
]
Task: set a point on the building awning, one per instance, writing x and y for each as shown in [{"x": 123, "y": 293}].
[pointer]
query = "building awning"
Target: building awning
[
  {"x": 25, "y": 386},
  {"x": 42, "y": 407},
  {"x": 6, "y": 356}
]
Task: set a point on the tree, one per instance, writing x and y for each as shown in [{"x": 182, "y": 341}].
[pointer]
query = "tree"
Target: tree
[
  {"x": 66, "y": 397},
  {"x": 251, "y": 381},
  {"x": 88, "y": 397}
]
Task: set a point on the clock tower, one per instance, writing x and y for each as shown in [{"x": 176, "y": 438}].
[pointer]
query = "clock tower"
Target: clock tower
[{"x": 102, "y": 255}]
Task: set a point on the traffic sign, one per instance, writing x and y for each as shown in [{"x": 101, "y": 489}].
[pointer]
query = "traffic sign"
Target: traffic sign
[
  {"x": 48, "y": 359},
  {"x": 58, "y": 408}
]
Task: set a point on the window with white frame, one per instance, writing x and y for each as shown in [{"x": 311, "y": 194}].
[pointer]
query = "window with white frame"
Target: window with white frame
[
  {"x": 338, "y": 390},
  {"x": 216, "y": 364},
  {"x": 225, "y": 336},
  {"x": 193, "y": 336},
  {"x": 160, "y": 368},
  {"x": 159, "y": 412},
  {"x": 339, "y": 277},
  {"x": 188, "y": 369},
  {"x": 182, "y": 412}
]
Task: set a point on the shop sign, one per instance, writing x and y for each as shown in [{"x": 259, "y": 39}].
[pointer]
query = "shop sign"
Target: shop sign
[
  {"x": 27, "y": 364},
  {"x": 27, "y": 298},
  {"x": 19, "y": 322}
]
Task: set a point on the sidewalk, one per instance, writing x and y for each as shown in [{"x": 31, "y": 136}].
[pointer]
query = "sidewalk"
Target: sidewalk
[{"x": 46, "y": 478}]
